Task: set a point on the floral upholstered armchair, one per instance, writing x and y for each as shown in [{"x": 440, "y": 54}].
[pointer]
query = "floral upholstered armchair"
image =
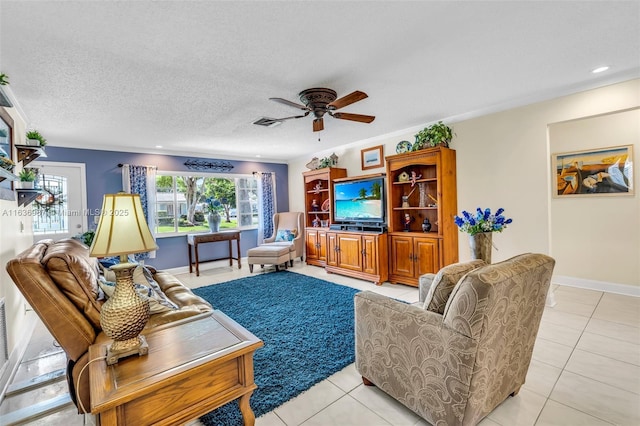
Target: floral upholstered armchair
[
  {"x": 288, "y": 229},
  {"x": 468, "y": 348}
]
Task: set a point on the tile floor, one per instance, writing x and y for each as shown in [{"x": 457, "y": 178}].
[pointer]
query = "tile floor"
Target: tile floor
[{"x": 585, "y": 368}]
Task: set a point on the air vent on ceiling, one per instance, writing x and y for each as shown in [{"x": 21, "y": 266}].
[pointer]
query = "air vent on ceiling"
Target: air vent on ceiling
[{"x": 267, "y": 122}]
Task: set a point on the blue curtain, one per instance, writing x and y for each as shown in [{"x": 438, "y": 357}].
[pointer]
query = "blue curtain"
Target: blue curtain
[
  {"x": 267, "y": 195},
  {"x": 137, "y": 180}
]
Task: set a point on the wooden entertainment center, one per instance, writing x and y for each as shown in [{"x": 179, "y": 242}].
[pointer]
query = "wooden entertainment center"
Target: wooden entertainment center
[{"x": 419, "y": 185}]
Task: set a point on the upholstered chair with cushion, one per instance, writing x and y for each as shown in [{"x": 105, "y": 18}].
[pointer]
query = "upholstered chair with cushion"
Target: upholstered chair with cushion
[
  {"x": 288, "y": 229},
  {"x": 456, "y": 357}
]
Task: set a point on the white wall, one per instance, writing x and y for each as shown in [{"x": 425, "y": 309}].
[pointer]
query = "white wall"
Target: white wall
[
  {"x": 15, "y": 236},
  {"x": 596, "y": 237},
  {"x": 503, "y": 160}
]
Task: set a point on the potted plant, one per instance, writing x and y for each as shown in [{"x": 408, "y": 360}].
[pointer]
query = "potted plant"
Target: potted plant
[
  {"x": 4, "y": 99},
  {"x": 27, "y": 178},
  {"x": 34, "y": 138},
  {"x": 433, "y": 135}
]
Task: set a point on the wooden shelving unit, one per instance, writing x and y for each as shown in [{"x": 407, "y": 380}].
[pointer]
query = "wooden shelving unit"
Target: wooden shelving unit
[
  {"x": 318, "y": 186},
  {"x": 413, "y": 252}
]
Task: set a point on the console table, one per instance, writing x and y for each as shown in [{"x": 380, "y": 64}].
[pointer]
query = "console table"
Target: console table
[
  {"x": 193, "y": 240},
  {"x": 193, "y": 367}
]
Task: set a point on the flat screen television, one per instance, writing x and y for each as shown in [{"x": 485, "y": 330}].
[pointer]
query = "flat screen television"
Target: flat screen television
[{"x": 359, "y": 201}]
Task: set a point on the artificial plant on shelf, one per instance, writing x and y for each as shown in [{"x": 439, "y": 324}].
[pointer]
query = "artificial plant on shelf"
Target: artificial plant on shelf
[
  {"x": 433, "y": 135},
  {"x": 35, "y": 135},
  {"x": 27, "y": 178}
]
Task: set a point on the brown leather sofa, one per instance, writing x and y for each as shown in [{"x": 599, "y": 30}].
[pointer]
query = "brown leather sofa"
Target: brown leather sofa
[{"x": 60, "y": 282}]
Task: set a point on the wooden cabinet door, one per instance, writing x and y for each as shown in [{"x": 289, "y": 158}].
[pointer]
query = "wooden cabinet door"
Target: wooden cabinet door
[
  {"x": 370, "y": 254},
  {"x": 332, "y": 249},
  {"x": 350, "y": 251},
  {"x": 322, "y": 245},
  {"x": 311, "y": 243},
  {"x": 425, "y": 256},
  {"x": 402, "y": 256}
]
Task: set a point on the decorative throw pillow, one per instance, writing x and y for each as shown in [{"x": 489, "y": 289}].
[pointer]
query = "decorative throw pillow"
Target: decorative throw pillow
[
  {"x": 158, "y": 302},
  {"x": 444, "y": 282},
  {"x": 285, "y": 235}
]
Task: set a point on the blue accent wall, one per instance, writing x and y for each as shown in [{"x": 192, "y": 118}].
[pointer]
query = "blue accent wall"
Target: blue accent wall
[{"x": 105, "y": 177}]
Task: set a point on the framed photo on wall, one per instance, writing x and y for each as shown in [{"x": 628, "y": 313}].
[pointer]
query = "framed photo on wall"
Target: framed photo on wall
[
  {"x": 372, "y": 158},
  {"x": 593, "y": 172}
]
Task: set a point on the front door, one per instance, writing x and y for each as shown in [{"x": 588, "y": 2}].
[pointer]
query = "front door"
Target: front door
[{"x": 60, "y": 211}]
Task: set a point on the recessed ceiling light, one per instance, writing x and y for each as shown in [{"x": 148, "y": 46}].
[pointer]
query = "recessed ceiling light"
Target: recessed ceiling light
[
  {"x": 258, "y": 155},
  {"x": 158, "y": 146},
  {"x": 600, "y": 69}
]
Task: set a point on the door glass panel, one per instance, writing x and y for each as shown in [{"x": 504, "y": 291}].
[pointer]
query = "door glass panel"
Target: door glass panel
[{"x": 50, "y": 207}]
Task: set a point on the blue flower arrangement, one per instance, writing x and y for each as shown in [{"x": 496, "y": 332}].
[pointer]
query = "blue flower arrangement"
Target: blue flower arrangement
[
  {"x": 213, "y": 205},
  {"x": 482, "y": 221}
]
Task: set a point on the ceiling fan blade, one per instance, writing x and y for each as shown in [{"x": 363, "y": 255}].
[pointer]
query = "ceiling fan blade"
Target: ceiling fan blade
[
  {"x": 318, "y": 124},
  {"x": 354, "y": 117},
  {"x": 286, "y": 102},
  {"x": 293, "y": 116},
  {"x": 347, "y": 100}
]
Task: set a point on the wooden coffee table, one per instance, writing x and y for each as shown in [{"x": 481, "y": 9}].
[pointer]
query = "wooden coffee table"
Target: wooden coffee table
[{"x": 193, "y": 367}]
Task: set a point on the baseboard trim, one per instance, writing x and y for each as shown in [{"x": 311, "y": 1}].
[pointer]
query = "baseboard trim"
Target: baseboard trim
[
  {"x": 624, "y": 289},
  {"x": 205, "y": 266},
  {"x": 15, "y": 358}
]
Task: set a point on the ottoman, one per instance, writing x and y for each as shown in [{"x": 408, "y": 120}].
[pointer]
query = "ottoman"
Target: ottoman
[{"x": 268, "y": 255}]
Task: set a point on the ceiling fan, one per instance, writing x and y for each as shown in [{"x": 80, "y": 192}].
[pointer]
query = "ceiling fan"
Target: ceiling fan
[{"x": 321, "y": 101}]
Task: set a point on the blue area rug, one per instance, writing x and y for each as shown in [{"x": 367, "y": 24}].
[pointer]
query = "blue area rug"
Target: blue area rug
[{"x": 306, "y": 324}]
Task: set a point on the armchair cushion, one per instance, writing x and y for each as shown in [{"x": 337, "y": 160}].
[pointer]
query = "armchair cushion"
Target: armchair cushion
[{"x": 444, "y": 282}]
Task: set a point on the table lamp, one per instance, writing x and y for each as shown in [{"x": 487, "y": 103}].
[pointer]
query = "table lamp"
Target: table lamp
[{"x": 123, "y": 230}]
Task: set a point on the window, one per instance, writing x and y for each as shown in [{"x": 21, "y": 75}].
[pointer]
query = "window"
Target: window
[{"x": 181, "y": 202}]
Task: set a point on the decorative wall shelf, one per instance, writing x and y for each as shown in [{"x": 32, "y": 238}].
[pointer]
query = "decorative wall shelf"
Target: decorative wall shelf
[
  {"x": 26, "y": 196},
  {"x": 6, "y": 174},
  {"x": 28, "y": 153}
]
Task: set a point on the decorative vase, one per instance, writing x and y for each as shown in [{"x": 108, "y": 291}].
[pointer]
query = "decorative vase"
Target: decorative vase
[
  {"x": 480, "y": 245},
  {"x": 422, "y": 187},
  {"x": 426, "y": 225},
  {"x": 214, "y": 221},
  {"x": 23, "y": 184}
]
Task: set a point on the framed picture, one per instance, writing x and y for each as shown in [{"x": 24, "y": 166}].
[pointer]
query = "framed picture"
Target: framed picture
[
  {"x": 372, "y": 157},
  {"x": 601, "y": 171}
]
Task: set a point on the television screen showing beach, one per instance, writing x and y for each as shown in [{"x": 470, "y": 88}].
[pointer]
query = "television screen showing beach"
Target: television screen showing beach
[{"x": 359, "y": 200}]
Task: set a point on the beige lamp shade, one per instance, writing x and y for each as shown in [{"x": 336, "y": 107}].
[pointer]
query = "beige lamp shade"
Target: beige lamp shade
[{"x": 122, "y": 228}]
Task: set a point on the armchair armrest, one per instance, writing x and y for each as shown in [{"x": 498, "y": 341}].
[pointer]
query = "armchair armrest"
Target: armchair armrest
[{"x": 425, "y": 282}]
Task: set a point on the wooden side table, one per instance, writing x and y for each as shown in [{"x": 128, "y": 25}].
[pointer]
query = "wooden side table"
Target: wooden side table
[
  {"x": 193, "y": 240},
  {"x": 193, "y": 367}
]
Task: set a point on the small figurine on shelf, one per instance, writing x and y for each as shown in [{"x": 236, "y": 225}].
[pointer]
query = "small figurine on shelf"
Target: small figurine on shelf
[
  {"x": 314, "y": 206},
  {"x": 426, "y": 225},
  {"x": 316, "y": 222},
  {"x": 407, "y": 222},
  {"x": 414, "y": 177},
  {"x": 317, "y": 188}
]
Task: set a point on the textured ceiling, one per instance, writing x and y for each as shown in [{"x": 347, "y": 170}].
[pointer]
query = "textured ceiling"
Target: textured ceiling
[{"x": 193, "y": 75}]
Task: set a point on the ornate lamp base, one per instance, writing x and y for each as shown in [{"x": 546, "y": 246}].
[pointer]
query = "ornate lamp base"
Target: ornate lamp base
[
  {"x": 123, "y": 349},
  {"x": 124, "y": 316}
]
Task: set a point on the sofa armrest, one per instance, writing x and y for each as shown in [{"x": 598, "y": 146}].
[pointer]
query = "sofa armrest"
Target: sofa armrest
[
  {"x": 409, "y": 353},
  {"x": 188, "y": 303}
]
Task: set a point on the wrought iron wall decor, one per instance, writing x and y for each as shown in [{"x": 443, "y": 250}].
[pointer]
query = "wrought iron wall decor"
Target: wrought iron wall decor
[{"x": 215, "y": 165}]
